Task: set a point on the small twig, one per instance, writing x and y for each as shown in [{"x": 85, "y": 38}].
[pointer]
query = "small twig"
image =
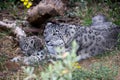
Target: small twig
[
  {"x": 14, "y": 27},
  {"x": 37, "y": 30},
  {"x": 5, "y": 25}
]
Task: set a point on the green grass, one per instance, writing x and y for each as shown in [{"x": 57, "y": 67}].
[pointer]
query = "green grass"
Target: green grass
[
  {"x": 111, "y": 10},
  {"x": 12, "y": 7},
  {"x": 3, "y": 58},
  {"x": 6, "y": 4},
  {"x": 4, "y": 33}
]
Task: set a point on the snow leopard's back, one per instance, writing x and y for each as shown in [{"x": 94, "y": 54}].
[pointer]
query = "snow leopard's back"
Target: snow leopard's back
[{"x": 95, "y": 40}]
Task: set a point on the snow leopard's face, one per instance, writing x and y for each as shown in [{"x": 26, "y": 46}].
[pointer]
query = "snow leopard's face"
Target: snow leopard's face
[
  {"x": 98, "y": 19},
  {"x": 59, "y": 34},
  {"x": 30, "y": 45}
]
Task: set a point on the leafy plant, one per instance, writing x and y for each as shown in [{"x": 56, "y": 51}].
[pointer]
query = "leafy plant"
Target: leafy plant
[
  {"x": 30, "y": 73},
  {"x": 62, "y": 69}
]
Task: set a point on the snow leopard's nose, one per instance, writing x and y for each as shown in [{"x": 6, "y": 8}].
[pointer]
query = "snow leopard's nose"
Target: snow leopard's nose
[
  {"x": 47, "y": 40},
  {"x": 28, "y": 54}
]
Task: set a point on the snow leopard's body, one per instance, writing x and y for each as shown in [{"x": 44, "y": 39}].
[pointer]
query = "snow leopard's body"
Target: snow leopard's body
[
  {"x": 101, "y": 36},
  {"x": 95, "y": 41}
]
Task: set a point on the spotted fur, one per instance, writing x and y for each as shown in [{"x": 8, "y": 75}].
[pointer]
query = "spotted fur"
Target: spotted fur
[
  {"x": 96, "y": 39},
  {"x": 58, "y": 35}
]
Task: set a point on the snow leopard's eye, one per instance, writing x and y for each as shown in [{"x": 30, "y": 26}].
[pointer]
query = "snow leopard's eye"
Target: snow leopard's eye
[
  {"x": 100, "y": 19},
  {"x": 31, "y": 41},
  {"x": 72, "y": 32},
  {"x": 45, "y": 33},
  {"x": 54, "y": 33}
]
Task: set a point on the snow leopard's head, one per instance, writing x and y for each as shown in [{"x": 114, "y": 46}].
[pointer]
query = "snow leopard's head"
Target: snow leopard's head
[
  {"x": 59, "y": 34},
  {"x": 30, "y": 45},
  {"x": 100, "y": 18}
]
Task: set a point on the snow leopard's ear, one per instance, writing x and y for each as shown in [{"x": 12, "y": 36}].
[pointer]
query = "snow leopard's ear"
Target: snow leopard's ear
[
  {"x": 49, "y": 23},
  {"x": 21, "y": 38}
]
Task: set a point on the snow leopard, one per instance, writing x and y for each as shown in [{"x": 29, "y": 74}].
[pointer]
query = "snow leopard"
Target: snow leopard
[
  {"x": 33, "y": 50},
  {"x": 30, "y": 45},
  {"x": 92, "y": 40}
]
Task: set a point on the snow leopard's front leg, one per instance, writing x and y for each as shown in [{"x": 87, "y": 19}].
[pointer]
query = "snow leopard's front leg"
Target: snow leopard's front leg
[{"x": 30, "y": 60}]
